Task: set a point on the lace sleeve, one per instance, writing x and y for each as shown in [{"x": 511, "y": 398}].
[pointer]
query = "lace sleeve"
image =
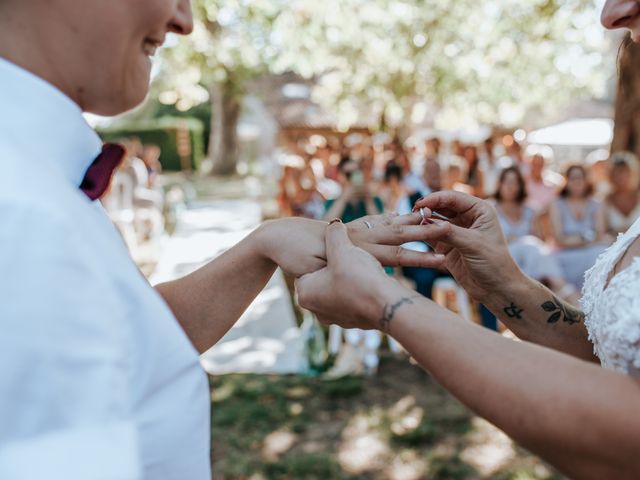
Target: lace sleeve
[{"x": 615, "y": 326}]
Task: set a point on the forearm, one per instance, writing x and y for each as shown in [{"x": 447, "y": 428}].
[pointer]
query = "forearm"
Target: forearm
[
  {"x": 536, "y": 315},
  {"x": 579, "y": 417},
  {"x": 210, "y": 300}
]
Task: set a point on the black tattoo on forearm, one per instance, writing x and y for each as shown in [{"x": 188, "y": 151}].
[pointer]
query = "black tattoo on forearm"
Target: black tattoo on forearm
[
  {"x": 513, "y": 311},
  {"x": 562, "y": 310},
  {"x": 390, "y": 310}
]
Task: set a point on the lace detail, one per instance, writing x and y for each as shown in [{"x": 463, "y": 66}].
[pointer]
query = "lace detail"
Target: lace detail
[{"x": 613, "y": 313}]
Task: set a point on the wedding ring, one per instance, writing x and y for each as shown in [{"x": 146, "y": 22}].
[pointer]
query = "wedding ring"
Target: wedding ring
[
  {"x": 422, "y": 214},
  {"x": 369, "y": 226}
]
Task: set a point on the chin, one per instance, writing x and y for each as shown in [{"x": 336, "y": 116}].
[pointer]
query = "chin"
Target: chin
[{"x": 118, "y": 102}]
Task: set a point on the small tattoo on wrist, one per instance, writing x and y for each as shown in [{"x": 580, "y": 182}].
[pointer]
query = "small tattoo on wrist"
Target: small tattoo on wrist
[
  {"x": 561, "y": 310},
  {"x": 390, "y": 310},
  {"x": 513, "y": 311}
]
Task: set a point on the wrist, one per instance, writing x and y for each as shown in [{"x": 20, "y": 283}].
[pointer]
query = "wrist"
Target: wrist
[
  {"x": 388, "y": 296},
  {"x": 263, "y": 239},
  {"x": 514, "y": 287}
]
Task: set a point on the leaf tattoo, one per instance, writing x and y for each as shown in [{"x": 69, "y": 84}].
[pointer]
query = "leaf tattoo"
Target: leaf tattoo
[{"x": 561, "y": 310}]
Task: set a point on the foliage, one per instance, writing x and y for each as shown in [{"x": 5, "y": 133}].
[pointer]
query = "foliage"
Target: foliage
[
  {"x": 490, "y": 61},
  {"x": 163, "y": 133}
]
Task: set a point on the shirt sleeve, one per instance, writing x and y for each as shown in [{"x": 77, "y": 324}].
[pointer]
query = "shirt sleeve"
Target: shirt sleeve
[{"x": 65, "y": 402}]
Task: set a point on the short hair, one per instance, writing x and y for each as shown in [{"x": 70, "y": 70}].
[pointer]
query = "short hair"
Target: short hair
[
  {"x": 522, "y": 186},
  {"x": 588, "y": 191}
]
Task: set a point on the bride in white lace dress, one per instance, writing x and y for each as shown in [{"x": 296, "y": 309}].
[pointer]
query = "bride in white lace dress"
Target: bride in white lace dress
[{"x": 611, "y": 304}]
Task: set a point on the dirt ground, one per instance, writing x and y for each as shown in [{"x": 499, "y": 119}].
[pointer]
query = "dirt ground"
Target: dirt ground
[{"x": 398, "y": 425}]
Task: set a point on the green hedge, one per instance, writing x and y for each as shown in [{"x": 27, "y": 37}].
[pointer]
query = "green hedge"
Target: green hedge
[{"x": 163, "y": 132}]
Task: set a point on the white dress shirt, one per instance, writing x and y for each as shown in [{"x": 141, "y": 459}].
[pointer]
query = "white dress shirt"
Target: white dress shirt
[{"x": 97, "y": 379}]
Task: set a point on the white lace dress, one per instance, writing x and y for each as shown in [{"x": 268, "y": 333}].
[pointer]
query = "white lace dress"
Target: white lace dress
[{"x": 613, "y": 313}]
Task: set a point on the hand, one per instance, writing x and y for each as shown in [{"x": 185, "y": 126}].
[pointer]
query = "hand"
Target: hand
[
  {"x": 475, "y": 249},
  {"x": 297, "y": 245},
  {"x": 349, "y": 291}
]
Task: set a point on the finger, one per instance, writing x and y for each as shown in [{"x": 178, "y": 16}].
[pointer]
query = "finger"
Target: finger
[
  {"x": 401, "y": 257},
  {"x": 414, "y": 218},
  {"x": 445, "y": 232},
  {"x": 337, "y": 240},
  {"x": 448, "y": 202},
  {"x": 399, "y": 234}
]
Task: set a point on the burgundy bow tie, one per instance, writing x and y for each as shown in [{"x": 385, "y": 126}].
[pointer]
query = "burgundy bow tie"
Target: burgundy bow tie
[{"x": 96, "y": 180}]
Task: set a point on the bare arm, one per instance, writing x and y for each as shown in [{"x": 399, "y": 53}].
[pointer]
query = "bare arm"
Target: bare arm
[
  {"x": 535, "y": 314},
  {"x": 210, "y": 300},
  {"x": 476, "y": 254},
  {"x": 579, "y": 417}
]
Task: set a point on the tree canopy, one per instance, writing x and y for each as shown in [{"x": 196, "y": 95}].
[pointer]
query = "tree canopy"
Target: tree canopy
[{"x": 489, "y": 61}]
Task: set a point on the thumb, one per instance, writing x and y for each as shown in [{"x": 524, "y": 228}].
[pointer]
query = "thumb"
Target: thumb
[{"x": 337, "y": 239}]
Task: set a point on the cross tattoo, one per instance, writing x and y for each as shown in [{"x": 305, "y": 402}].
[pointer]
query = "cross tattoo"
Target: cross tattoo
[{"x": 512, "y": 311}]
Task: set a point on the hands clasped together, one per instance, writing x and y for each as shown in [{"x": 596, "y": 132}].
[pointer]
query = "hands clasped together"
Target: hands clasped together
[{"x": 352, "y": 289}]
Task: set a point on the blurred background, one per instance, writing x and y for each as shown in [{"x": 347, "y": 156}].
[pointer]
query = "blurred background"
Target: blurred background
[{"x": 353, "y": 107}]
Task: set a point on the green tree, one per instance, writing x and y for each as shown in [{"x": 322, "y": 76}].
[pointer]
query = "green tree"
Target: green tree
[{"x": 491, "y": 61}]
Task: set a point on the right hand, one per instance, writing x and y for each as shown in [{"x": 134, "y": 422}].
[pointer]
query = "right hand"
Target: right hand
[{"x": 475, "y": 248}]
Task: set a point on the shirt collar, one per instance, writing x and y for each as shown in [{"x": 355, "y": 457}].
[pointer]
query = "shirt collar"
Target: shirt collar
[{"x": 44, "y": 124}]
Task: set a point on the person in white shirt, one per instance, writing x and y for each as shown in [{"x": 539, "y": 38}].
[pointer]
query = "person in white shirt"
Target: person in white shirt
[{"x": 99, "y": 372}]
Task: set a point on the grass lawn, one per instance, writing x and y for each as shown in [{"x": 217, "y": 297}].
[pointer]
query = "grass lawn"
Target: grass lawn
[{"x": 398, "y": 425}]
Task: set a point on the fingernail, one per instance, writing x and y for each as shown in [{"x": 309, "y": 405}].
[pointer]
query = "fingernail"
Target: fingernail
[{"x": 335, "y": 220}]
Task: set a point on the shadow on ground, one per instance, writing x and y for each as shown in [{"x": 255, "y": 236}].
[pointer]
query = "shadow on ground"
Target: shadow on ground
[{"x": 399, "y": 425}]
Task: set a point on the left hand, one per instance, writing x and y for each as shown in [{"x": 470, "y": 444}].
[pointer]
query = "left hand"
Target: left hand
[
  {"x": 297, "y": 245},
  {"x": 349, "y": 290}
]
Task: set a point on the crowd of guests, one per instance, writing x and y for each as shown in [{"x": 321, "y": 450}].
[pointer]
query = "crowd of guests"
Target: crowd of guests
[{"x": 557, "y": 218}]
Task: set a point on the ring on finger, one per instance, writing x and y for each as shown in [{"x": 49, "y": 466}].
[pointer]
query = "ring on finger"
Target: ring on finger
[{"x": 369, "y": 226}]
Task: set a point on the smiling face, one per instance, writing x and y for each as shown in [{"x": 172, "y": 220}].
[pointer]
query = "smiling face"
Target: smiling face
[
  {"x": 576, "y": 182},
  {"x": 95, "y": 51},
  {"x": 120, "y": 38},
  {"x": 622, "y": 14}
]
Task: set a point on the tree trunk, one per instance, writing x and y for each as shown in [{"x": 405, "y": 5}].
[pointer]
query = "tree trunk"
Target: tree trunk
[
  {"x": 223, "y": 141},
  {"x": 626, "y": 133}
]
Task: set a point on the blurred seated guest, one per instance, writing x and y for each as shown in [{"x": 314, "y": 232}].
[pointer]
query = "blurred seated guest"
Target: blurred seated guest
[
  {"x": 298, "y": 195},
  {"x": 518, "y": 221},
  {"x": 356, "y": 199},
  {"x": 396, "y": 199},
  {"x": 289, "y": 187},
  {"x": 455, "y": 177},
  {"x": 598, "y": 164},
  {"x": 151, "y": 159},
  {"x": 431, "y": 179},
  {"x": 543, "y": 185},
  {"x": 432, "y": 148},
  {"x": 394, "y": 193},
  {"x": 411, "y": 180},
  {"x": 475, "y": 175},
  {"x": 491, "y": 168},
  {"x": 622, "y": 205},
  {"x": 578, "y": 225}
]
